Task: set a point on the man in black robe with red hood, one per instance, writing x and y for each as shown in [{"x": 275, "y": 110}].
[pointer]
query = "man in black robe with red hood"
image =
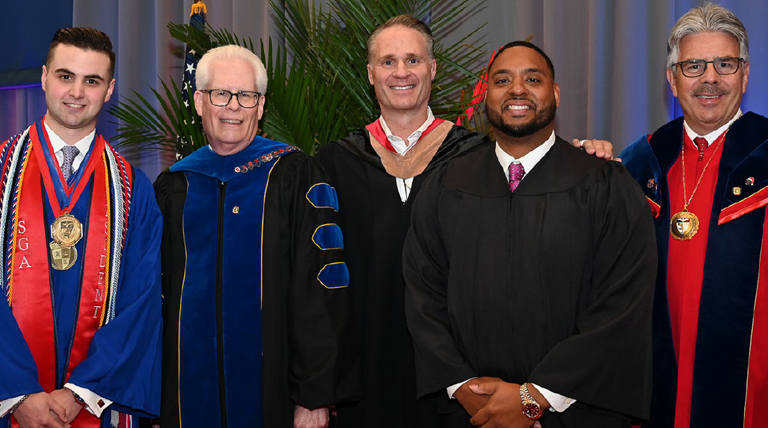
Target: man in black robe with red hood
[{"x": 377, "y": 172}]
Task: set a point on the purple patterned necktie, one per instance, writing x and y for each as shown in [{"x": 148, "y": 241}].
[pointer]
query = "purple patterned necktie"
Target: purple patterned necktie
[
  {"x": 701, "y": 144},
  {"x": 70, "y": 152},
  {"x": 516, "y": 173}
]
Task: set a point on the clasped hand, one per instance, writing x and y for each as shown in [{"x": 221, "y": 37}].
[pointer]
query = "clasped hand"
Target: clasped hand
[
  {"x": 306, "y": 418},
  {"x": 493, "y": 403},
  {"x": 42, "y": 410}
]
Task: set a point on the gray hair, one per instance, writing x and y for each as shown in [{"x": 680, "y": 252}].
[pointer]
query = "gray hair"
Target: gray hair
[
  {"x": 230, "y": 52},
  {"x": 406, "y": 21},
  {"x": 709, "y": 18}
]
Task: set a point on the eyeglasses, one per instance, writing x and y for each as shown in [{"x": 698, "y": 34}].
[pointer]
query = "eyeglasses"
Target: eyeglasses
[
  {"x": 697, "y": 67},
  {"x": 221, "y": 97}
]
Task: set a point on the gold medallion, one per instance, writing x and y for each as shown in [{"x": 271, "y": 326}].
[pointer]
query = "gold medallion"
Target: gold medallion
[
  {"x": 683, "y": 225},
  {"x": 62, "y": 258},
  {"x": 66, "y": 230}
]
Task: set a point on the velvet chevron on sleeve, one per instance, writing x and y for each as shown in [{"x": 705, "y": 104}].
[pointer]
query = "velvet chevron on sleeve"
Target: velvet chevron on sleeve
[
  {"x": 375, "y": 221},
  {"x": 256, "y": 290}
]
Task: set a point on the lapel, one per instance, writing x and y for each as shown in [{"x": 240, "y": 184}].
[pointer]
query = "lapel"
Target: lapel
[{"x": 742, "y": 186}]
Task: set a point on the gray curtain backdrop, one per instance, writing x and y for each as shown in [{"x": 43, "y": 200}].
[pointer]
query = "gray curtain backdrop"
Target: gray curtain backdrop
[
  {"x": 146, "y": 51},
  {"x": 609, "y": 56}
]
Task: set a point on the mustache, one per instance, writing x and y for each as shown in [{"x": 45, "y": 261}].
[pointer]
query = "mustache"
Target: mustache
[
  {"x": 707, "y": 89},
  {"x": 520, "y": 98}
]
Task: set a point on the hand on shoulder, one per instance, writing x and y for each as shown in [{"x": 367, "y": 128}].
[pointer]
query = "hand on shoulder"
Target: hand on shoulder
[{"x": 600, "y": 148}]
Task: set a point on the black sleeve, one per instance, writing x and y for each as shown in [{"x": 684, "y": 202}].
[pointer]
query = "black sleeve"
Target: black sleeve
[
  {"x": 607, "y": 363},
  {"x": 170, "y": 194},
  {"x": 323, "y": 361},
  {"x": 439, "y": 362}
]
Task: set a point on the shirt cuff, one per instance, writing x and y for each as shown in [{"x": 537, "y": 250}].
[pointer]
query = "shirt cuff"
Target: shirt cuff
[
  {"x": 7, "y": 404},
  {"x": 94, "y": 403},
  {"x": 557, "y": 402},
  {"x": 451, "y": 389}
]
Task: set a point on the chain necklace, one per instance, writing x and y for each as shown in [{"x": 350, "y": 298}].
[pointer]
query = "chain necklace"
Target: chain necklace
[{"x": 685, "y": 224}]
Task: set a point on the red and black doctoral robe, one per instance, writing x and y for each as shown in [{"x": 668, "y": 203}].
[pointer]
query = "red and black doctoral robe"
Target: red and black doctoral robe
[{"x": 711, "y": 306}]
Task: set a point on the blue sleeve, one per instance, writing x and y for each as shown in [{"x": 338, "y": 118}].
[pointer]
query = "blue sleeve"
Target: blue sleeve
[
  {"x": 18, "y": 367},
  {"x": 19, "y": 372},
  {"x": 123, "y": 363}
]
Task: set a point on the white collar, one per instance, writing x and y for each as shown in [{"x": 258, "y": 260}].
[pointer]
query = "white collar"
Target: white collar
[
  {"x": 57, "y": 143},
  {"x": 529, "y": 160},
  {"x": 712, "y": 136},
  {"x": 398, "y": 144}
]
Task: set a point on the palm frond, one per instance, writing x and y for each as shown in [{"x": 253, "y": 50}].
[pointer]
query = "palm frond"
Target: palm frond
[
  {"x": 143, "y": 126},
  {"x": 318, "y": 81},
  {"x": 333, "y": 42}
]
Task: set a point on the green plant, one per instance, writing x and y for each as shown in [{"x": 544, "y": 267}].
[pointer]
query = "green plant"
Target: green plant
[{"x": 321, "y": 91}]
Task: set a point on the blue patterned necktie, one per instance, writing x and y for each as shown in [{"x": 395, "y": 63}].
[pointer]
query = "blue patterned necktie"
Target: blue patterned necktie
[
  {"x": 70, "y": 152},
  {"x": 516, "y": 173}
]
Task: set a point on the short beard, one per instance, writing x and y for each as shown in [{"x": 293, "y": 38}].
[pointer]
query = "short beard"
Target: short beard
[{"x": 542, "y": 119}]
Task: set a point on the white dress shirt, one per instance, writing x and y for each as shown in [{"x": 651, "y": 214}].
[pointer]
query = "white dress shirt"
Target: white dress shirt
[
  {"x": 712, "y": 136},
  {"x": 58, "y": 144},
  {"x": 402, "y": 147},
  {"x": 529, "y": 160}
]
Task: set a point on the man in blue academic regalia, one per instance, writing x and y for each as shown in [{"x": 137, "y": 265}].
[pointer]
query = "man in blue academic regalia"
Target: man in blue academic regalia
[
  {"x": 256, "y": 300},
  {"x": 80, "y": 236}
]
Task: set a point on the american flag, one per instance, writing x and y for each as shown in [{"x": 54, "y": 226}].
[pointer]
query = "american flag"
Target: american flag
[
  {"x": 190, "y": 65},
  {"x": 190, "y": 69}
]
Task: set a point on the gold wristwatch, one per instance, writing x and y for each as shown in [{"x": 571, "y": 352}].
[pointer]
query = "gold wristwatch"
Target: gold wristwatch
[{"x": 531, "y": 408}]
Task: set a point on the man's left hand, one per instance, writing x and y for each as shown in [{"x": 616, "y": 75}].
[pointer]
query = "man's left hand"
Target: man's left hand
[
  {"x": 504, "y": 409},
  {"x": 599, "y": 148},
  {"x": 66, "y": 398},
  {"x": 305, "y": 418}
]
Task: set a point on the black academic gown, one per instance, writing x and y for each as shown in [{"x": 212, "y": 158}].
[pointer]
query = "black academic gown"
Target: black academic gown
[
  {"x": 374, "y": 221},
  {"x": 551, "y": 284},
  {"x": 305, "y": 332}
]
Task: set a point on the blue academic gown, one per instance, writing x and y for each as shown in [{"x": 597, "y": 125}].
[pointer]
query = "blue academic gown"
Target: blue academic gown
[
  {"x": 256, "y": 299},
  {"x": 123, "y": 363}
]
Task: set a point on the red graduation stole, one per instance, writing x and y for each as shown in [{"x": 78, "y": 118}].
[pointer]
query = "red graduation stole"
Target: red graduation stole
[{"x": 28, "y": 273}]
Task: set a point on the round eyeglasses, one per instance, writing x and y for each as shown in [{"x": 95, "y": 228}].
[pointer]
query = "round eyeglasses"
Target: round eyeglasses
[
  {"x": 697, "y": 67},
  {"x": 221, "y": 97}
]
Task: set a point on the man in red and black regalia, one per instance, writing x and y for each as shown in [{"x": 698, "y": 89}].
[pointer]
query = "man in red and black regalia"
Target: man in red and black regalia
[
  {"x": 377, "y": 172},
  {"x": 80, "y": 233},
  {"x": 704, "y": 175}
]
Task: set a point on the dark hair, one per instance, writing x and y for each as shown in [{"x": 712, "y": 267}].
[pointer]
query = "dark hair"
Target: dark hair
[
  {"x": 527, "y": 45},
  {"x": 407, "y": 21},
  {"x": 88, "y": 39}
]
